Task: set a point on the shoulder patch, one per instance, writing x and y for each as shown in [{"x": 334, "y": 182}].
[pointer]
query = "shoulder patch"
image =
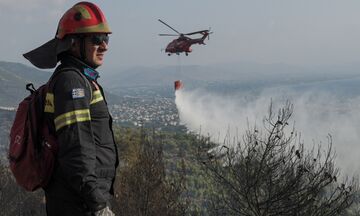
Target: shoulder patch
[{"x": 78, "y": 93}]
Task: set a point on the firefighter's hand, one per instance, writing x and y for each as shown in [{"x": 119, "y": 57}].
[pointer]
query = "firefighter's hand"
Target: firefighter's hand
[{"x": 105, "y": 212}]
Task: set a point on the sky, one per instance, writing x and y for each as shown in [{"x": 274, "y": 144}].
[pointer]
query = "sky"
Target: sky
[{"x": 306, "y": 32}]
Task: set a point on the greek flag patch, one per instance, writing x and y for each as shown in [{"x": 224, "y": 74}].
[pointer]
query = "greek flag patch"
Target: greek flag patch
[{"x": 78, "y": 93}]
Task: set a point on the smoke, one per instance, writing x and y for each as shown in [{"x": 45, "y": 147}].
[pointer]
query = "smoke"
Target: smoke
[{"x": 316, "y": 114}]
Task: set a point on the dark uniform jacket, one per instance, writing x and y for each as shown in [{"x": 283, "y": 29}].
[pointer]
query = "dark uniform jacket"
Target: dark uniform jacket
[{"x": 87, "y": 158}]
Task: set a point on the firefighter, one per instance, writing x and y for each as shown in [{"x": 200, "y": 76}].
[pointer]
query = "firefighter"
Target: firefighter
[{"x": 84, "y": 173}]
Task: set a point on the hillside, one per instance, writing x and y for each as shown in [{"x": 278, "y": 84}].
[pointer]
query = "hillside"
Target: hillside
[
  {"x": 153, "y": 81},
  {"x": 13, "y": 79},
  {"x": 239, "y": 72},
  {"x": 242, "y": 76},
  {"x": 172, "y": 169},
  {"x": 15, "y": 76}
]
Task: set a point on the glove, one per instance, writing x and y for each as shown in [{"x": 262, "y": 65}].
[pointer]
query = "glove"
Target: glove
[{"x": 104, "y": 212}]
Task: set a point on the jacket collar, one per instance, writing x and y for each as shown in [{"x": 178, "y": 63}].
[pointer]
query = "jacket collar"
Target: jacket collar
[{"x": 88, "y": 71}]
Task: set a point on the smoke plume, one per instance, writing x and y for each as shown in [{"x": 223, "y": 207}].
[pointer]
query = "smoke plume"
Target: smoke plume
[{"x": 316, "y": 114}]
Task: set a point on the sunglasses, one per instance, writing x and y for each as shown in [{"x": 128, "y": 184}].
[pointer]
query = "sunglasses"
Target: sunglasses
[{"x": 99, "y": 39}]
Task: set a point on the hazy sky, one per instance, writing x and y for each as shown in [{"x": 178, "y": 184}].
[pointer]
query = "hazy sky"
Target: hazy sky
[{"x": 302, "y": 32}]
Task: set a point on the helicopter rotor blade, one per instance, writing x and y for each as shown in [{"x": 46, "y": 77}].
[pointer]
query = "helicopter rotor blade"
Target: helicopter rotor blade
[
  {"x": 168, "y": 35},
  {"x": 197, "y": 32},
  {"x": 169, "y": 26}
]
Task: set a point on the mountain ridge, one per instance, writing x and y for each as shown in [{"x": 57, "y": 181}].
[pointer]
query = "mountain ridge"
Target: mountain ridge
[{"x": 14, "y": 77}]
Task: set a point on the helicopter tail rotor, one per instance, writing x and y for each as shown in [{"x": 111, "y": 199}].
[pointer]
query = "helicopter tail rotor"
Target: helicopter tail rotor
[{"x": 209, "y": 33}]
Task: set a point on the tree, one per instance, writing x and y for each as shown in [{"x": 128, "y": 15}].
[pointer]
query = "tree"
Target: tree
[
  {"x": 16, "y": 201},
  {"x": 269, "y": 172},
  {"x": 142, "y": 186}
]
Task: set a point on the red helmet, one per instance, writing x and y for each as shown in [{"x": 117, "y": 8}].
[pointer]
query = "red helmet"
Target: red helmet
[{"x": 84, "y": 17}]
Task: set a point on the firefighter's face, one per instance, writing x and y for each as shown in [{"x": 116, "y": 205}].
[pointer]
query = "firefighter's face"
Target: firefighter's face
[{"x": 95, "y": 47}]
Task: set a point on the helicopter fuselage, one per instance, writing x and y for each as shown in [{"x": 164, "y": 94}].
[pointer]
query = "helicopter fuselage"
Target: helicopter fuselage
[{"x": 183, "y": 44}]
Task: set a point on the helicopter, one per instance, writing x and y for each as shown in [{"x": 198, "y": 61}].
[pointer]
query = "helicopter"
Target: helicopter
[{"x": 183, "y": 43}]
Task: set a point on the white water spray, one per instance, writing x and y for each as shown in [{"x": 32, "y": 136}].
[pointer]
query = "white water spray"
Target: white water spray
[{"x": 315, "y": 116}]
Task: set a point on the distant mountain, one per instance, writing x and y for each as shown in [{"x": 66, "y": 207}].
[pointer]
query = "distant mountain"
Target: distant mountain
[
  {"x": 13, "y": 79},
  {"x": 241, "y": 74},
  {"x": 150, "y": 76},
  {"x": 154, "y": 81},
  {"x": 15, "y": 76}
]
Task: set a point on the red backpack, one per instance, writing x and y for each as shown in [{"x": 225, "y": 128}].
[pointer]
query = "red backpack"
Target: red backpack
[{"x": 32, "y": 147}]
